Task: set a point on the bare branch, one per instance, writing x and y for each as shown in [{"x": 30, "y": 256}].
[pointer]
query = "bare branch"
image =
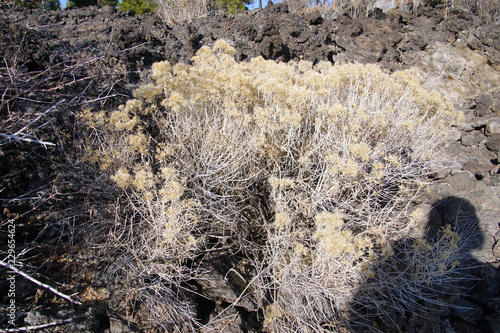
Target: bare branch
[
  {"x": 20, "y": 138},
  {"x": 37, "y": 327},
  {"x": 39, "y": 116},
  {"x": 38, "y": 282}
]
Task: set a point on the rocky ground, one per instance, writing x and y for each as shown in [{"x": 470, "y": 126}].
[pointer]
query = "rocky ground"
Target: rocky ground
[{"x": 94, "y": 58}]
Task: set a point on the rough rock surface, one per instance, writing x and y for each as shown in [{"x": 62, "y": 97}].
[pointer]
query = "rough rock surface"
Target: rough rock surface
[{"x": 94, "y": 58}]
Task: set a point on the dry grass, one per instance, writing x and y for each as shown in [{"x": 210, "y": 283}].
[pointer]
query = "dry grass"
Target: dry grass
[
  {"x": 177, "y": 11},
  {"x": 355, "y": 8},
  {"x": 488, "y": 9}
]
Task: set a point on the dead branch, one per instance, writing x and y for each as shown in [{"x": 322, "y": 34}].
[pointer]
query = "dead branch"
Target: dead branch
[
  {"x": 37, "y": 327},
  {"x": 35, "y": 281}
]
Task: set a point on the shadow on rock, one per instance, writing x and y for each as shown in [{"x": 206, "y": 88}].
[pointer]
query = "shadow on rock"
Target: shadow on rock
[{"x": 420, "y": 284}]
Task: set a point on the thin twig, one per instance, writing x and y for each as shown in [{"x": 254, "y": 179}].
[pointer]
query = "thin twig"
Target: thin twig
[
  {"x": 39, "y": 116},
  {"x": 38, "y": 282},
  {"x": 102, "y": 98},
  {"x": 8, "y": 71},
  {"x": 20, "y": 138},
  {"x": 37, "y": 327},
  {"x": 26, "y": 99}
]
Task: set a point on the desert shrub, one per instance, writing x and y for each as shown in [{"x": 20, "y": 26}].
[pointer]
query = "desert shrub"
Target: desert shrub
[
  {"x": 175, "y": 11},
  {"x": 489, "y": 9},
  {"x": 355, "y": 8},
  {"x": 32, "y": 4},
  {"x": 322, "y": 161}
]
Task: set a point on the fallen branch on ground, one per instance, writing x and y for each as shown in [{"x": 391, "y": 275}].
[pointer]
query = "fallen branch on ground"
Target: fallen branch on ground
[
  {"x": 37, "y": 327},
  {"x": 38, "y": 282}
]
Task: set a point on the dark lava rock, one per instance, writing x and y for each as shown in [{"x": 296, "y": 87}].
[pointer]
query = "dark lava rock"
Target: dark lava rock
[
  {"x": 74, "y": 320},
  {"x": 468, "y": 311},
  {"x": 314, "y": 18}
]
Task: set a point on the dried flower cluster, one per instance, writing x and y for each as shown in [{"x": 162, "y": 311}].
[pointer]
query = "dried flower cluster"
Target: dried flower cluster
[{"x": 324, "y": 159}]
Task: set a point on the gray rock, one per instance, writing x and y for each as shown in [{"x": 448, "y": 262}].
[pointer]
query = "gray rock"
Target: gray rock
[
  {"x": 493, "y": 126},
  {"x": 479, "y": 170},
  {"x": 493, "y": 143},
  {"x": 472, "y": 122},
  {"x": 455, "y": 135},
  {"x": 460, "y": 181},
  {"x": 484, "y": 105},
  {"x": 480, "y": 155},
  {"x": 229, "y": 322},
  {"x": 462, "y": 155},
  {"x": 220, "y": 282},
  {"x": 120, "y": 325},
  {"x": 494, "y": 182},
  {"x": 82, "y": 320},
  {"x": 474, "y": 138},
  {"x": 494, "y": 320},
  {"x": 467, "y": 310},
  {"x": 463, "y": 185},
  {"x": 446, "y": 327},
  {"x": 444, "y": 170}
]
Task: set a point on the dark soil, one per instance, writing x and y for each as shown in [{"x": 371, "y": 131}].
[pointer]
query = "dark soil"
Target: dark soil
[{"x": 94, "y": 58}]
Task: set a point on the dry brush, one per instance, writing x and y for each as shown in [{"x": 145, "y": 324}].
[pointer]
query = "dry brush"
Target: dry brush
[{"x": 321, "y": 161}]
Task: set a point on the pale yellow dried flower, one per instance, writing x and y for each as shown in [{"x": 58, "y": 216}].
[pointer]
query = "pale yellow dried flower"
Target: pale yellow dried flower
[
  {"x": 223, "y": 46},
  {"x": 282, "y": 220},
  {"x": 418, "y": 215},
  {"x": 138, "y": 142},
  {"x": 122, "y": 178},
  {"x": 160, "y": 71},
  {"x": 172, "y": 191},
  {"x": 361, "y": 150},
  {"x": 143, "y": 179},
  {"x": 121, "y": 120},
  {"x": 148, "y": 93}
]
